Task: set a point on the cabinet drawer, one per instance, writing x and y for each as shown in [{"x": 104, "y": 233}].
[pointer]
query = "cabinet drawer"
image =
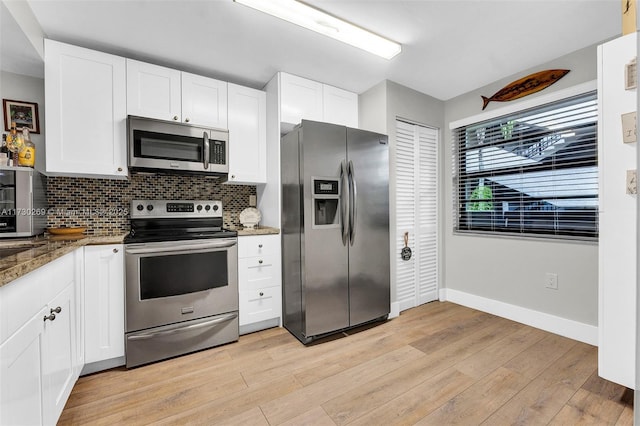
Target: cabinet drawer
[
  {"x": 258, "y": 245},
  {"x": 259, "y": 305},
  {"x": 257, "y": 272}
]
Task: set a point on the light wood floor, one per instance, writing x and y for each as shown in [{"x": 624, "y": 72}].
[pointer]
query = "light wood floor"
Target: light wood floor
[{"x": 437, "y": 364}]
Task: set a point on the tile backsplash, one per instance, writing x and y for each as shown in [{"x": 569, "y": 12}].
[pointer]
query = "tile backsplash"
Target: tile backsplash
[{"x": 102, "y": 205}]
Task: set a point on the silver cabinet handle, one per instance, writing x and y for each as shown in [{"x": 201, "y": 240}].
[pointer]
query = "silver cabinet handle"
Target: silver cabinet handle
[
  {"x": 353, "y": 203},
  {"x": 186, "y": 120},
  {"x": 207, "y": 149},
  {"x": 259, "y": 245},
  {"x": 175, "y": 117},
  {"x": 344, "y": 201},
  {"x": 119, "y": 169},
  {"x": 261, "y": 294},
  {"x": 260, "y": 261},
  {"x": 49, "y": 317},
  {"x": 115, "y": 250},
  {"x": 179, "y": 329},
  {"x": 56, "y": 310}
]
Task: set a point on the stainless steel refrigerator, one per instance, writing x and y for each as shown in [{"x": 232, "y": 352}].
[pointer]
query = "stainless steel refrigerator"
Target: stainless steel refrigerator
[{"x": 335, "y": 228}]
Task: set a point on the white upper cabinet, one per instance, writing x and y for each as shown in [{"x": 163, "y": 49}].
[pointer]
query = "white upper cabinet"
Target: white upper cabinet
[
  {"x": 85, "y": 98},
  {"x": 247, "y": 135},
  {"x": 300, "y": 98},
  {"x": 153, "y": 91},
  {"x": 340, "y": 106},
  {"x": 167, "y": 94},
  {"x": 204, "y": 101}
]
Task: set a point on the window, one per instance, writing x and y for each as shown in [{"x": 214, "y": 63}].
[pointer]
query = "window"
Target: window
[{"x": 534, "y": 172}]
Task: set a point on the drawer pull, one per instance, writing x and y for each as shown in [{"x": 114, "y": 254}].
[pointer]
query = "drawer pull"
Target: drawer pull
[
  {"x": 50, "y": 317},
  {"x": 259, "y": 245},
  {"x": 260, "y": 261},
  {"x": 261, "y": 294}
]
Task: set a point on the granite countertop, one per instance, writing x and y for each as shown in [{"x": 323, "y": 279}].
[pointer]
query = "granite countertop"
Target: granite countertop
[
  {"x": 262, "y": 230},
  {"x": 42, "y": 250}
]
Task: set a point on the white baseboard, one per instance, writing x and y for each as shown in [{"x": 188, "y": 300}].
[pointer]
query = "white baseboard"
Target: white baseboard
[
  {"x": 395, "y": 310},
  {"x": 564, "y": 327}
]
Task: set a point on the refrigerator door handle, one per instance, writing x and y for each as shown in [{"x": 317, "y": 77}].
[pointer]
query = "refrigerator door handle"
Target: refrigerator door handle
[
  {"x": 353, "y": 203},
  {"x": 344, "y": 202}
]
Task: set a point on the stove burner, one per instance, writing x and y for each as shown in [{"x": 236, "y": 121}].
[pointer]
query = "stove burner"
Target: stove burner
[{"x": 176, "y": 220}]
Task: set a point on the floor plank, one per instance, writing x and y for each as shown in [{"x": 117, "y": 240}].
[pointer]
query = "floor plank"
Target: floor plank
[{"x": 439, "y": 364}]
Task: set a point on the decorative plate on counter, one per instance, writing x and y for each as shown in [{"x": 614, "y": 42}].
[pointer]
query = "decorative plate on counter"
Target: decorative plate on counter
[
  {"x": 250, "y": 217},
  {"x": 66, "y": 231}
]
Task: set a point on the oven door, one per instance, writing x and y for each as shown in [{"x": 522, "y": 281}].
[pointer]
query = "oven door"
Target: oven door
[{"x": 175, "y": 281}]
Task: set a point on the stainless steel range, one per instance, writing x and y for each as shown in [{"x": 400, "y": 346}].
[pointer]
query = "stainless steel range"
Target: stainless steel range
[{"x": 181, "y": 279}]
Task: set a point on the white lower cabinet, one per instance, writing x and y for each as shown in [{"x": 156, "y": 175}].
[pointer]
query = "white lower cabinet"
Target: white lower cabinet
[
  {"x": 103, "y": 306},
  {"x": 259, "y": 282},
  {"x": 39, "y": 357}
]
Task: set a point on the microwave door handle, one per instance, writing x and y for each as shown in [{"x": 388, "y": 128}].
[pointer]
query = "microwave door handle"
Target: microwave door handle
[{"x": 207, "y": 150}]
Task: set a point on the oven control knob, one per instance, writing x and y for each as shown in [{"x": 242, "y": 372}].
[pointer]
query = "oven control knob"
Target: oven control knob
[
  {"x": 207, "y": 207},
  {"x": 140, "y": 207},
  {"x": 215, "y": 207},
  {"x": 149, "y": 207},
  {"x": 199, "y": 207}
]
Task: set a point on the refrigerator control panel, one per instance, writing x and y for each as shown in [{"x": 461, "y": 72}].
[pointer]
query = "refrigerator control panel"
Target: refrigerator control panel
[
  {"x": 325, "y": 187},
  {"x": 326, "y": 203}
]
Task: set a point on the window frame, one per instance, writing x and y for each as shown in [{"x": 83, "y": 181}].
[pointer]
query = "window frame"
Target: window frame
[{"x": 513, "y": 109}]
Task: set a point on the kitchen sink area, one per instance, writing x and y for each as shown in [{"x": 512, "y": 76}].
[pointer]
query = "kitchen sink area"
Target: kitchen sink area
[{"x": 9, "y": 248}]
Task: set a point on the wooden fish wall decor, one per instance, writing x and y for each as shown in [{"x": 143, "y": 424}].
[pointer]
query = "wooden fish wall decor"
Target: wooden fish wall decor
[{"x": 525, "y": 86}]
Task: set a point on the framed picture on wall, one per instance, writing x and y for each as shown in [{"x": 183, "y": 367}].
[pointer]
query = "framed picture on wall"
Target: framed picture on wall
[{"x": 24, "y": 114}]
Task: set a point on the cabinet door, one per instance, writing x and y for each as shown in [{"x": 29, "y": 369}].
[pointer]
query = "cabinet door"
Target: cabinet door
[
  {"x": 85, "y": 97},
  {"x": 153, "y": 91},
  {"x": 104, "y": 302},
  {"x": 300, "y": 99},
  {"x": 58, "y": 354},
  {"x": 340, "y": 106},
  {"x": 258, "y": 245},
  {"x": 247, "y": 135},
  {"x": 204, "y": 101},
  {"x": 21, "y": 384},
  {"x": 259, "y": 305}
]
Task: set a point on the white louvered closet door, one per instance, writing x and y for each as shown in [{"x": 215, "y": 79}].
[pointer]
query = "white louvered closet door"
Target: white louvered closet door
[{"x": 416, "y": 213}]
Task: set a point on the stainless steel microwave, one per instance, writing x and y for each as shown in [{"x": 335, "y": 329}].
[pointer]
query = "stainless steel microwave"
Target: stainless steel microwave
[
  {"x": 23, "y": 202},
  {"x": 157, "y": 145}
]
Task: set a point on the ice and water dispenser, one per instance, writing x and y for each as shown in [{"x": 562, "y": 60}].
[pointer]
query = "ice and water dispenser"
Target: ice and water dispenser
[{"x": 326, "y": 203}]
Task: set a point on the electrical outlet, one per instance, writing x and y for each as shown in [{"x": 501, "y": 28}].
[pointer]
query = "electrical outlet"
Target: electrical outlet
[{"x": 551, "y": 281}]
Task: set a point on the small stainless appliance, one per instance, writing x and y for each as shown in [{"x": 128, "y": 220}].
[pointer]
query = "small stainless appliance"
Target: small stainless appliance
[
  {"x": 166, "y": 146},
  {"x": 181, "y": 271},
  {"x": 335, "y": 228},
  {"x": 23, "y": 202}
]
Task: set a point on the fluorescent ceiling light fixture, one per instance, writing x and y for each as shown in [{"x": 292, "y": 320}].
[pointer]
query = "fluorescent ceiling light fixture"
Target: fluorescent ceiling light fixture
[{"x": 323, "y": 23}]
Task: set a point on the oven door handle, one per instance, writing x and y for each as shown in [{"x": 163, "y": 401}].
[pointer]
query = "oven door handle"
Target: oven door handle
[
  {"x": 179, "y": 248},
  {"x": 179, "y": 329}
]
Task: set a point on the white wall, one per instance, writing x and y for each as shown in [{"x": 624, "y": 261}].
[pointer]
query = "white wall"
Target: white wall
[
  {"x": 512, "y": 270},
  {"x": 30, "y": 89}
]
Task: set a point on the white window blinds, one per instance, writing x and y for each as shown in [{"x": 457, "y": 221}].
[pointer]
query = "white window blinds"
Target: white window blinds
[{"x": 531, "y": 172}]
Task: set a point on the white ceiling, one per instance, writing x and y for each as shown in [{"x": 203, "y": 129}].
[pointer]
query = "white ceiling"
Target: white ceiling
[{"x": 449, "y": 47}]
